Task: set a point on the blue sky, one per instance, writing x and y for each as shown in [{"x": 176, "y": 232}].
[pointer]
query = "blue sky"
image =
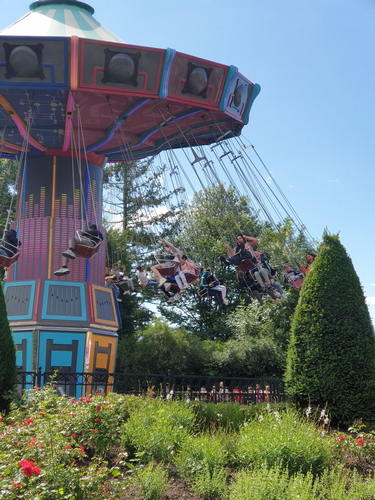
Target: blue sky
[{"x": 314, "y": 121}]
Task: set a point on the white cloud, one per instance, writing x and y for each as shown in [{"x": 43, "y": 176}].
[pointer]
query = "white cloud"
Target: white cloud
[
  {"x": 371, "y": 300},
  {"x": 333, "y": 180},
  {"x": 290, "y": 185},
  {"x": 372, "y": 284}
]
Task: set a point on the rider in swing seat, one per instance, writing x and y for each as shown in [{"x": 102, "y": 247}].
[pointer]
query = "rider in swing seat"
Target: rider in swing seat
[
  {"x": 243, "y": 250},
  {"x": 89, "y": 238},
  {"x": 10, "y": 244}
]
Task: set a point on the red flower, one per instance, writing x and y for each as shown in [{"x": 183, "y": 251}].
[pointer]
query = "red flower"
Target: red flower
[
  {"x": 341, "y": 438},
  {"x": 81, "y": 399},
  {"x": 93, "y": 431},
  {"x": 83, "y": 450},
  {"x": 29, "y": 421},
  {"x": 72, "y": 435},
  {"x": 67, "y": 447},
  {"x": 360, "y": 442},
  {"x": 88, "y": 399},
  {"x": 70, "y": 414},
  {"x": 16, "y": 485},
  {"x": 1, "y": 419},
  {"x": 97, "y": 408},
  {"x": 97, "y": 420},
  {"x": 29, "y": 468},
  {"x": 42, "y": 412},
  {"x": 359, "y": 421},
  {"x": 39, "y": 388}
]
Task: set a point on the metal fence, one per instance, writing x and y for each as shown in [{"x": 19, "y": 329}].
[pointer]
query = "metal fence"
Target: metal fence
[{"x": 169, "y": 386}]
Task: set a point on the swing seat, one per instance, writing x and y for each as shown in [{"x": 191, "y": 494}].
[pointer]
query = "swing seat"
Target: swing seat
[
  {"x": 169, "y": 271},
  {"x": 296, "y": 284},
  {"x": 246, "y": 265},
  {"x": 9, "y": 261},
  {"x": 84, "y": 251},
  {"x": 192, "y": 276}
]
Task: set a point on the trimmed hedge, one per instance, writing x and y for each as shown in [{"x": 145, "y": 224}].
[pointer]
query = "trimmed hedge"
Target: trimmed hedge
[
  {"x": 331, "y": 356},
  {"x": 8, "y": 370}
]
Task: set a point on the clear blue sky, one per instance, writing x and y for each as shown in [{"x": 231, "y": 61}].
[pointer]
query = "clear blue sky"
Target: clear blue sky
[{"x": 314, "y": 120}]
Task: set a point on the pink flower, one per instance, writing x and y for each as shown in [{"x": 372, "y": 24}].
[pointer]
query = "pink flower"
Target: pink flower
[
  {"x": 72, "y": 435},
  {"x": 29, "y": 468},
  {"x": 87, "y": 399},
  {"x": 360, "y": 442},
  {"x": 29, "y": 421},
  {"x": 341, "y": 438}
]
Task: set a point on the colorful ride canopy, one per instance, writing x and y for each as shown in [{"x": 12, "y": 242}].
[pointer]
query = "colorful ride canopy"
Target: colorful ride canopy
[{"x": 67, "y": 84}]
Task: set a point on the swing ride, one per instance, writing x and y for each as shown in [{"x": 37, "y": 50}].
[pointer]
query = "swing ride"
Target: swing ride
[{"x": 72, "y": 96}]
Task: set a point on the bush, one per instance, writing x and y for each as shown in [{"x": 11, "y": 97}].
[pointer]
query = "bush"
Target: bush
[
  {"x": 153, "y": 482},
  {"x": 331, "y": 358},
  {"x": 202, "y": 455},
  {"x": 46, "y": 431},
  {"x": 157, "y": 429},
  {"x": 210, "y": 485},
  {"x": 8, "y": 370},
  {"x": 283, "y": 440}
]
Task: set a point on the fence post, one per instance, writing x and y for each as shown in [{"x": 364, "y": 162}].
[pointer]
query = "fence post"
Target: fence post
[
  {"x": 170, "y": 390},
  {"x": 39, "y": 377}
]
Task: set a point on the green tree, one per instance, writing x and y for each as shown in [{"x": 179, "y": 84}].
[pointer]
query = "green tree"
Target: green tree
[
  {"x": 8, "y": 370},
  {"x": 331, "y": 357},
  {"x": 159, "y": 347}
]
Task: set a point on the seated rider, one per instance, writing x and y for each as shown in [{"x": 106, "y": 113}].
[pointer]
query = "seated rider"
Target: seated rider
[
  {"x": 187, "y": 267},
  {"x": 216, "y": 284},
  {"x": 207, "y": 289},
  {"x": 111, "y": 282},
  {"x": 267, "y": 272},
  {"x": 89, "y": 238},
  {"x": 290, "y": 274},
  {"x": 310, "y": 257},
  {"x": 243, "y": 250},
  {"x": 174, "y": 255},
  {"x": 145, "y": 280},
  {"x": 121, "y": 278},
  {"x": 10, "y": 243}
]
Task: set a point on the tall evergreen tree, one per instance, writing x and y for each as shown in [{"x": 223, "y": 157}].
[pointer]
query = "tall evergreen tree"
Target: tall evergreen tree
[
  {"x": 331, "y": 357},
  {"x": 8, "y": 371}
]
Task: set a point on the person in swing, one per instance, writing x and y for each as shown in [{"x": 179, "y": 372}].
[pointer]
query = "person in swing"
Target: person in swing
[
  {"x": 243, "y": 250},
  {"x": 174, "y": 255},
  {"x": 88, "y": 238},
  {"x": 10, "y": 244}
]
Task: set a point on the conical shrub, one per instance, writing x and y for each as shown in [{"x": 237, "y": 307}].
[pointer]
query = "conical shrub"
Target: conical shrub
[
  {"x": 8, "y": 370},
  {"x": 331, "y": 356}
]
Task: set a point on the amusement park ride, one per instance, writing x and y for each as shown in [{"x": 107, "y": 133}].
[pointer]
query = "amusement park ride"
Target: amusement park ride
[{"x": 72, "y": 97}]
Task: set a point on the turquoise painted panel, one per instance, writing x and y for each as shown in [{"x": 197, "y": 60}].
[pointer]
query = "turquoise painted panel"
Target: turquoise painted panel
[
  {"x": 62, "y": 339},
  {"x": 20, "y": 300},
  {"x": 18, "y": 337},
  {"x": 68, "y": 315},
  {"x": 61, "y": 358}
]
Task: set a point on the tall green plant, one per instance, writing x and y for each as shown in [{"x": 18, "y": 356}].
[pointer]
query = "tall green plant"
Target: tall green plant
[
  {"x": 8, "y": 373},
  {"x": 331, "y": 358}
]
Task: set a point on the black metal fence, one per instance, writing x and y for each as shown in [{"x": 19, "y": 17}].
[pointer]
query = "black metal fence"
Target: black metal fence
[{"x": 169, "y": 386}]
